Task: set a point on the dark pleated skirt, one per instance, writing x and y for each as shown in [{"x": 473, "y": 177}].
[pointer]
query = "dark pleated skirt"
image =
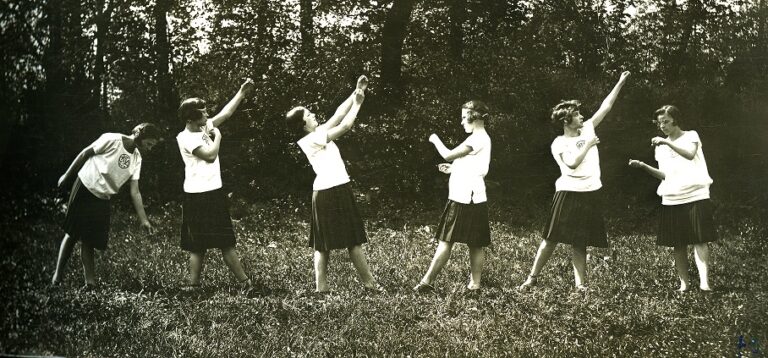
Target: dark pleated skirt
[
  {"x": 336, "y": 222},
  {"x": 686, "y": 224},
  {"x": 577, "y": 219},
  {"x": 87, "y": 217},
  {"x": 465, "y": 223},
  {"x": 205, "y": 222}
]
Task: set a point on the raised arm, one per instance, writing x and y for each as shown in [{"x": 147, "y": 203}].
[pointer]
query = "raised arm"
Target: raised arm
[
  {"x": 574, "y": 162},
  {"x": 341, "y": 112},
  {"x": 230, "y": 108},
  {"x": 349, "y": 119},
  {"x": 449, "y": 154},
  {"x": 658, "y": 174},
  {"x": 138, "y": 204},
  {"x": 76, "y": 165},
  {"x": 687, "y": 151},
  {"x": 211, "y": 151},
  {"x": 608, "y": 102}
]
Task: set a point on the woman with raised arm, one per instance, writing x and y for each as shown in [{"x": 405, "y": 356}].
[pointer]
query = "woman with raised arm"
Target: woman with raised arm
[
  {"x": 576, "y": 216},
  {"x": 686, "y": 214},
  {"x": 336, "y": 222}
]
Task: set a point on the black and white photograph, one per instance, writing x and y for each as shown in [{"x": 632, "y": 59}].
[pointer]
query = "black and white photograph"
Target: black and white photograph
[{"x": 384, "y": 178}]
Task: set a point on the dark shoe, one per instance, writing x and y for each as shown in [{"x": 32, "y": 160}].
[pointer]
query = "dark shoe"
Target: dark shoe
[{"x": 378, "y": 289}]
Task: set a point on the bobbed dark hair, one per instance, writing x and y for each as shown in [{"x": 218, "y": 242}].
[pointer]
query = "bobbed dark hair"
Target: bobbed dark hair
[
  {"x": 563, "y": 112},
  {"x": 479, "y": 110},
  {"x": 191, "y": 109},
  {"x": 669, "y": 110},
  {"x": 145, "y": 131},
  {"x": 294, "y": 121}
]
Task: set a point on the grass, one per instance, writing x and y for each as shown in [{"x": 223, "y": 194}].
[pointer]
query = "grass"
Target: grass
[{"x": 140, "y": 310}]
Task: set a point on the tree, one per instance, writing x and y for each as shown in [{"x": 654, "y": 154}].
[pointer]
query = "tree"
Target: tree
[{"x": 392, "y": 37}]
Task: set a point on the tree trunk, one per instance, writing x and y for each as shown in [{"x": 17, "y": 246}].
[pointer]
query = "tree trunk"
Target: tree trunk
[
  {"x": 393, "y": 35},
  {"x": 103, "y": 20},
  {"x": 457, "y": 14},
  {"x": 306, "y": 27},
  {"x": 166, "y": 97}
]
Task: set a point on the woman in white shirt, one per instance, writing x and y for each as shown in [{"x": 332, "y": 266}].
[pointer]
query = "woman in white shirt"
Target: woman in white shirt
[
  {"x": 465, "y": 217},
  {"x": 98, "y": 172},
  {"x": 686, "y": 214},
  {"x": 336, "y": 222},
  {"x": 576, "y": 217},
  {"x": 206, "y": 223}
]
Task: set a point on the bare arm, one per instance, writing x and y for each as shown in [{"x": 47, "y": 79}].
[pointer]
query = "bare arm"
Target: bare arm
[
  {"x": 449, "y": 154},
  {"x": 209, "y": 152},
  {"x": 574, "y": 162},
  {"x": 343, "y": 110},
  {"x": 658, "y": 174},
  {"x": 608, "y": 102},
  {"x": 349, "y": 119},
  {"x": 687, "y": 152},
  {"x": 230, "y": 108},
  {"x": 76, "y": 165},
  {"x": 138, "y": 204}
]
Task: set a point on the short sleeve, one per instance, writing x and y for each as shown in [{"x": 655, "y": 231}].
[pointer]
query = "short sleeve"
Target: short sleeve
[
  {"x": 475, "y": 142},
  {"x": 314, "y": 142},
  {"x": 693, "y": 137},
  {"x": 191, "y": 141},
  {"x": 102, "y": 144},
  {"x": 557, "y": 147}
]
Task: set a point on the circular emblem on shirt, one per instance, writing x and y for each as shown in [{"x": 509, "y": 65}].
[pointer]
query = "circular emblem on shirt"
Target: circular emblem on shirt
[
  {"x": 580, "y": 144},
  {"x": 124, "y": 161}
]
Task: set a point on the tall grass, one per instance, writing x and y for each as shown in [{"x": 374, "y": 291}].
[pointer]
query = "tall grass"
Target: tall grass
[{"x": 139, "y": 308}]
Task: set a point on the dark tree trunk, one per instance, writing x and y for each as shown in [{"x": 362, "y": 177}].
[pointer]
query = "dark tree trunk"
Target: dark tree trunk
[
  {"x": 103, "y": 21},
  {"x": 167, "y": 99},
  {"x": 457, "y": 15},
  {"x": 393, "y": 35},
  {"x": 307, "y": 29}
]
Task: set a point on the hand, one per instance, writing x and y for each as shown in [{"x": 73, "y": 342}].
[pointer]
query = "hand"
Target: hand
[
  {"x": 635, "y": 163},
  {"x": 62, "y": 180},
  {"x": 657, "y": 141},
  {"x": 594, "y": 141},
  {"x": 358, "y": 96},
  {"x": 362, "y": 82},
  {"x": 433, "y": 138},
  {"x": 444, "y": 168},
  {"x": 148, "y": 227},
  {"x": 247, "y": 86},
  {"x": 624, "y": 76}
]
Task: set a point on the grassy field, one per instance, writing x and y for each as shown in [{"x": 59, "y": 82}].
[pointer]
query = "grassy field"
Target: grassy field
[{"x": 139, "y": 308}]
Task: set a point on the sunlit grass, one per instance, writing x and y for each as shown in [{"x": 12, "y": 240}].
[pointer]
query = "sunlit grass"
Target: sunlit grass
[{"x": 140, "y": 310}]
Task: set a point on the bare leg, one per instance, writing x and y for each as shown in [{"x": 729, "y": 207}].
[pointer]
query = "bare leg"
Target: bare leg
[
  {"x": 357, "y": 256},
  {"x": 701, "y": 255},
  {"x": 65, "y": 252},
  {"x": 579, "y": 262},
  {"x": 542, "y": 256},
  {"x": 89, "y": 265},
  {"x": 196, "y": 260},
  {"x": 476, "y": 262},
  {"x": 321, "y": 271},
  {"x": 233, "y": 262},
  {"x": 442, "y": 255},
  {"x": 681, "y": 264}
]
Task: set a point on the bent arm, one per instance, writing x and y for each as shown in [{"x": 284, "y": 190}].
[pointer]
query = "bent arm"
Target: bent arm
[
  {"x": 450, "y": 154},
  {"x": 573, "y": 162},
  {"x": 340, "y": 114},
  {"x": 656, "y": 173},
  {"x": 209, "y": 152},
  {"x": 608, "y": 102},
  {"x": 349, "y": 119},
  {"x": 76, "y": 165},
  {"x": 687, "y": 152}
]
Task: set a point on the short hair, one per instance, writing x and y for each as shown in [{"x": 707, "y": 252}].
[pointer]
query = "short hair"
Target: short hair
[
  {"x": 145, "y": 131},
  {"x": 190, "y": 109},
  {"x": 479, "y": 110},
  {"x": 563, "y": 112},
  {"x": 294, "y": 121},
  {"x": 669, "y": 110}
]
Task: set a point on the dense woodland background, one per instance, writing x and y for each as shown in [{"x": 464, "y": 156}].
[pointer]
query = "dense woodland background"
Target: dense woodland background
[{"x": 74, "y": 69}]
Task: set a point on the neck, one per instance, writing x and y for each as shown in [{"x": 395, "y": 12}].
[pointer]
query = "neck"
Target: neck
[
  {"x": 192, "y": 127},
  {"x": 570, "y": 132},
  {"x": 675, "y": 133},
  {"x": 129, "y": 142}
]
